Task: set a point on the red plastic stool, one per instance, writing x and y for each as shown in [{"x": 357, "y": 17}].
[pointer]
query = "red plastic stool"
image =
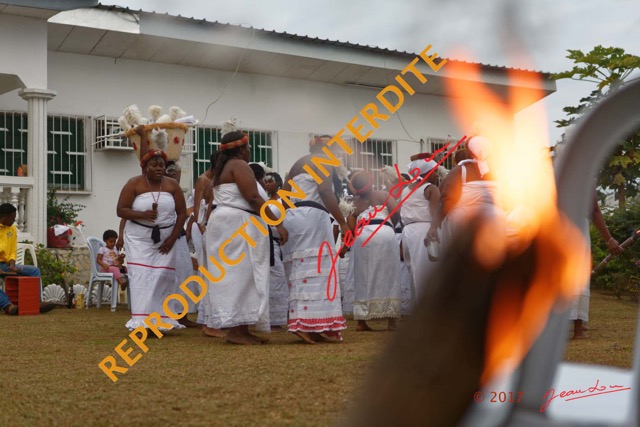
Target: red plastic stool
[{"x": 24, "y": 292}]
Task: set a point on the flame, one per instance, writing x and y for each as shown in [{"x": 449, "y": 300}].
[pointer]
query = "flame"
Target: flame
[{"x": 527, "y": 193}]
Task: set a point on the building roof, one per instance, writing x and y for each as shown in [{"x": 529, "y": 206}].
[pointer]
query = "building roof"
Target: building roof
[
  {"x": 122, "y": 33},
  {"x": 42, "y": 8},
  {"x": 308, "y": 38}
]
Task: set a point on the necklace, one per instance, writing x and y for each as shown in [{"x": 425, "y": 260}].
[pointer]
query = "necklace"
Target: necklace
[{"x": 155, "y": 198}]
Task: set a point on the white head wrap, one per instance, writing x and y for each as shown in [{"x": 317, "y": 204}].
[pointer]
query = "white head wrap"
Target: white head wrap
[
  {"x": 480, "y": 147},
  {"x": 422, "y": 164}
]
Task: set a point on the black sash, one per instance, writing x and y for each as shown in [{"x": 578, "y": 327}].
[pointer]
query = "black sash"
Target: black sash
[
  {"x": 272, "y": 257},
  {"x": 310, "y": 204},
  {"x": 155, "y": 230},
  {"x": 380, "y": 221}
]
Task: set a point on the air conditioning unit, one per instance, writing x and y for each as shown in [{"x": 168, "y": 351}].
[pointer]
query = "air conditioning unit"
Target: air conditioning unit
[{"x": 109, "y": 135}]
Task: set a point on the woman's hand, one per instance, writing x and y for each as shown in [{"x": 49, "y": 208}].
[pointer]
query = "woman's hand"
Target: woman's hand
[
  {"x": 343, "y": 251},
  {"x": 284, "y": 234},
  {"x": 150, "y": 215},
  {"x": 167, "y": 245},
  {"x": 120, "y": 244},
  {"x": 432, "y": 235},
  {"x": 344, "y": 228},
  {"x": 614, "y": 247}
]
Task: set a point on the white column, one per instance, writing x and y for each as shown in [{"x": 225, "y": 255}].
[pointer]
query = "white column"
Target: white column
[{"x": 36, "y": 214}]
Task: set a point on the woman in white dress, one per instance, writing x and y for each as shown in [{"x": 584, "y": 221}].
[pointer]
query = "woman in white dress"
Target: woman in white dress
[
  {"x": 420, "y": 201},
  {"x": 155, "y": 210},
  {"x": 278, "y": 285},
  {"x": 314, "y": 297},
  {"x": 377, "y": 289},
  {"x": 466, "y": 191},
  {"x": 241, "y": 296}
]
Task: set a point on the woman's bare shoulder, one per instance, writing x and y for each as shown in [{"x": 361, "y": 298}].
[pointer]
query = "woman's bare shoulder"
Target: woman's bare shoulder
[
  {"x": 170, "y": 184},
  {"x": 380, "y": 197},
  {"x": 135, "y": 181},
  {"x": 296, "y": 169},
  {"x": 203, "y": 180}
]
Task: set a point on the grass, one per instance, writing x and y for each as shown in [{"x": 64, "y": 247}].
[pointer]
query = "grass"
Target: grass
[
  {"x": 48, "y": 366},
  {"x": 611, "y": 333}
]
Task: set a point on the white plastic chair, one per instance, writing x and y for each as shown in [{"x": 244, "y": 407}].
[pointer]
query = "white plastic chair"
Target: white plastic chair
[{"x": 98, "y": 276}]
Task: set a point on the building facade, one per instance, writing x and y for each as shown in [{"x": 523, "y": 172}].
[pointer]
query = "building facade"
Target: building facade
[{"x": 69, "y": 75}]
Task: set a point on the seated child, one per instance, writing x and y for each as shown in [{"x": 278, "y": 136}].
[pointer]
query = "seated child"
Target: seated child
[{"x": 110, "y": 259}]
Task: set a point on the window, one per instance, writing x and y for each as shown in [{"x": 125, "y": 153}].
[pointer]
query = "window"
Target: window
[
  {"x": 13, "y": 143},
  {"x": 67, "y": 155},
  {"x": 66, "y": 149},
  {"x": 372, "y": 155},
  {"x": 207, "y": 140},
  {"x": 434, "y": 144}
]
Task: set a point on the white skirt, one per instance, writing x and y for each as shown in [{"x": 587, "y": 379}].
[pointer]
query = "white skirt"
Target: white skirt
[
  {"x": 416, "y": 256},
  {"x": 313, "y": 306},
  {"x": 152, "y": 275},
  {"x": 241, "y": 297},
  {"x": 377, "y": 290}
]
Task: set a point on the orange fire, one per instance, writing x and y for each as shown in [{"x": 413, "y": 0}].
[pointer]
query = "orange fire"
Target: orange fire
[{"x": 527, "y": 195}]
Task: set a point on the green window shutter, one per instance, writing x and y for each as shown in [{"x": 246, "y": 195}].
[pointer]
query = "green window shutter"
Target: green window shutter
[
  {"x": 13, "y": 142},
  {"x": 66, "y": 153},
  {"x": 208, "y": 141}
]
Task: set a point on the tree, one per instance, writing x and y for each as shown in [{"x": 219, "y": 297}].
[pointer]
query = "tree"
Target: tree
[{"x": 609, "y": 68}]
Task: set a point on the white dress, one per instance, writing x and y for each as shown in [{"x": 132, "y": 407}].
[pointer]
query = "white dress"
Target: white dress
[
  {"x": 377, "y": 290},
  {"x": 580, "y": 304},
  {"x": 184, "y": 270},
  {"x": 241, "y": 296},
  {"x": 278, "y": 284},
  {"x": 475, "y": 197},
  {"x": 416, "y": 218},
  {"x": 152, "y": 275},
  {"x": 404, "y": 277},
  {"x": 346, "y": 276},
  {"x": 314, "y": 303}
]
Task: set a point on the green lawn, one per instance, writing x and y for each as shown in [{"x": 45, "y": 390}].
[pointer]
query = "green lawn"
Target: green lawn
[{"x": 50, "y": 375}]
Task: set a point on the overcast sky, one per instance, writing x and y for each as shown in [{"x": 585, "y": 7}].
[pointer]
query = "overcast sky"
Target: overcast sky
[{"x": 538, "y": 31}]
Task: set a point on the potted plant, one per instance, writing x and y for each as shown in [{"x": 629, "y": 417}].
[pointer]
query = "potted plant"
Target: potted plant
[
  {"x": 62, "y": 213},
  {"x": 54, "y": 268}
]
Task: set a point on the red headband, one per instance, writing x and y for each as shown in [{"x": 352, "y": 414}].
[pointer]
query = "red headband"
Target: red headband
[
  {"x": 150, "y": 154},
  {"x": 233, "y": 144},
  {"x": 364, "y": 189}
]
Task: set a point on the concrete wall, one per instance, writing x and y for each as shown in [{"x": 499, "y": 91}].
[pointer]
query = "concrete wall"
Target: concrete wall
[
  {"x": 79, "y": 257},
  {"x": 95, "y": 86},
  {"x": 24, "y": 50}
]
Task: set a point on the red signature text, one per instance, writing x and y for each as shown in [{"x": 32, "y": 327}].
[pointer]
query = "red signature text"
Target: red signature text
[
  {"x": 568, "y": 395},
  {"x": 395, "y": 192}
]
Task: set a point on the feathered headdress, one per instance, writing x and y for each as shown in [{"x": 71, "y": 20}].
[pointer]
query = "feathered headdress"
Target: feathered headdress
[
  {"x": 346, "y": 205},
  {"x": 342, "y": 172},
  {"x": 228, "y": 126},
  {"x": 164, "y": 132},
  {"x": 389, "y": 173}
]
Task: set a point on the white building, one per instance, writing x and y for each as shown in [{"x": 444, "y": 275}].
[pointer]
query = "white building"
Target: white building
[{"x": 67, "y": 75}]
